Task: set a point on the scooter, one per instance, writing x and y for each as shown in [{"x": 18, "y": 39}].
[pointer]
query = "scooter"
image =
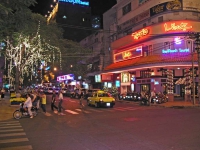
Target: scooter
[{"x": 23, "y": 112}]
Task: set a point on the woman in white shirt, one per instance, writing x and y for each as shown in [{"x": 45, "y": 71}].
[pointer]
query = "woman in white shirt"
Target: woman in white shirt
[{"x": 28, "y": 104}]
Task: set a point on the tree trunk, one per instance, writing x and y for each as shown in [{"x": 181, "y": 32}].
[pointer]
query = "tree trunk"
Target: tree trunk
[{"x": 17, "y": 79}]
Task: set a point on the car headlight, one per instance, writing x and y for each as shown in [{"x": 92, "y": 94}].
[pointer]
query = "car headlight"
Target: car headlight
[{"x": 100, "y": 100}]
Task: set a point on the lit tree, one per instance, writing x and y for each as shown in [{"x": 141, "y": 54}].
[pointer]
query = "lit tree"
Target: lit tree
[{"x": 24, "y": 54}]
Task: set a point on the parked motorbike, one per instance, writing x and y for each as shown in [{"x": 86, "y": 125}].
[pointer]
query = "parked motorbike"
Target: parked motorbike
[{"x": 23, "y": 112}]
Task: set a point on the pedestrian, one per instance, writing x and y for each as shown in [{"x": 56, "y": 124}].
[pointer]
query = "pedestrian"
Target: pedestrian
[
  {"x": 28, "y": 104},
  {"x": 2, "y": 93},
  {"x": 44, "y": 101},
  {"x": 152, "y": 95},
  {"x": 60, "y": 98},
  {"x": 53, "y": 100},
  {"x": 81, "y": 98}
]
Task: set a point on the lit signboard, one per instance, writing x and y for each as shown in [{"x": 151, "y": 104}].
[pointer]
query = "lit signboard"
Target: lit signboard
[
  {"x": 139, "y": 34},
  {"x": 175, "y": 51},
  {"x": 65, "y": 77},
  {"x": 128, "y": 54},
  {"x": 80, "y": 2},
  {"x": 183, "y": 26}
]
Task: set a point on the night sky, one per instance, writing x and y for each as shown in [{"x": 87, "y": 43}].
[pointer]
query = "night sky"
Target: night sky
[{"x": 98, "y": 7}]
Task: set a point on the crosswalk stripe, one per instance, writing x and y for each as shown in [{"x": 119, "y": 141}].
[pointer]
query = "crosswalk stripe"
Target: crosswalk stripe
[
  {"x": 12, "y": 134},
  {"x": 14, "y": 140},
  {"x": 11, "y": 130},
  {"x": 10, "y": 127},
  {"x": 119, "y": 109},
  {"x": 72, "y": 112},
  {"x": 28, "y": 147},
  {"x": 9, "y": 124},
  {"x": 82, "y": 111}
]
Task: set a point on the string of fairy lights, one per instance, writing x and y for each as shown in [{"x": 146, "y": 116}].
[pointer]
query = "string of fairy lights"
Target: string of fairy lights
[{"x": 28, "y": 53}]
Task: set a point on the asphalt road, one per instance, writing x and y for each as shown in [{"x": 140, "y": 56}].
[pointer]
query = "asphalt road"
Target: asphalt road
[{"x": 127, "y": 126}]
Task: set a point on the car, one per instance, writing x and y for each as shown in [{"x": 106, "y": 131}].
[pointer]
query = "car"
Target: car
[
  {"x": 50, "y": 90},
  {"x": 90, "y": 92},
  {"x": 64, "y": 91},
  {"x": 101, "y": 99},
  {"x": 16, "y": 98},
  {"x": 57, "y": 90}
]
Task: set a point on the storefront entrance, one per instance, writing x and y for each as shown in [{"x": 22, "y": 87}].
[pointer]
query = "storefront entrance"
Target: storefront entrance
[{"x": 145, "y": 87}]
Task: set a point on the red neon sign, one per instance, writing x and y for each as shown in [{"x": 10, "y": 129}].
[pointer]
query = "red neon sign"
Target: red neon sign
[
  {"x": 139, "y": 34},
  {"x": 183, "y": 26}
]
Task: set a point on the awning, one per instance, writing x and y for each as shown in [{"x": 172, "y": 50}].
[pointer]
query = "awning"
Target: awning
[{"x": 152, "y": 59}]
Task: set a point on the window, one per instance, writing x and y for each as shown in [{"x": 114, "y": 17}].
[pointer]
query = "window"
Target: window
[
  {"x": 166, "y": 45},
  {"x": 145, "y": 74},
  {"x": 126, "y": 9},
  {"x": 150, "y": 50},
  {"x": 160, "y": 19}
]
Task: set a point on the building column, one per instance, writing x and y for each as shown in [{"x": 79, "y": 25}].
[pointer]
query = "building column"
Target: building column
[
  {"x": 170, "y": 85},
  {"x": 187, "y": 84}
]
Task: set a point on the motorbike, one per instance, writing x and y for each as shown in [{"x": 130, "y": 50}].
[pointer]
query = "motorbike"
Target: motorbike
[{"x": 23, "y": 112}]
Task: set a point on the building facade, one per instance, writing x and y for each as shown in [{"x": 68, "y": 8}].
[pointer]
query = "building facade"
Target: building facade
[
  {"x": 74, "y": 17},
  {"x": 151, "y": 47}
]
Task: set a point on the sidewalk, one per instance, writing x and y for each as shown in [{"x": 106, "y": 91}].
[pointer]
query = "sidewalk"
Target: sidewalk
[
  {"x": 174, "y": 104},
  {"x": 6, "y": 110}
]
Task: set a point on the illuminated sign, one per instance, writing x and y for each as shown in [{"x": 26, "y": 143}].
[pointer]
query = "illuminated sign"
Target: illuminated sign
[
  {"x": 128, "y": 54},
  {"x": 177, "y": 40},
  {"x": 176, "y": 51},
  {"x": 80, "y": 2},
  {"x": 139, "y": 34},
  {"x": 166, "y": 6},
  {"x": 65, "y": 77},
  {"x": 183, "y": 26}
]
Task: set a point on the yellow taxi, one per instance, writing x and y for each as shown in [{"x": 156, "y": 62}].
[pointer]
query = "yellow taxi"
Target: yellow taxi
[
  {"x": 101, "y": 99},
  {"x": 16, "y": 99}
]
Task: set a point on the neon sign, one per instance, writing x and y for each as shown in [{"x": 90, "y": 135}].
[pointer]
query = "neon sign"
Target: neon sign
[
  {"x": 176, "y": 51},
  {"x": 174, "y": 27},
  {"x": 65, "y": 77},
  {"x": 80, "y": 2},
  {"x": 177, "y": 40},
  {"x": 139, "y": 34},
  {"x": 128, "y": 54}
]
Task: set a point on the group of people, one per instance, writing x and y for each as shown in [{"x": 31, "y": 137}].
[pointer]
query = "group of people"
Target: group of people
[
  {"x": 34, "y": 99},
  {"x": 59, "y": 108}
]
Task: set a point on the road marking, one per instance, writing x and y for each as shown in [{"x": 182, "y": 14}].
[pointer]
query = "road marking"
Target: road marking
[
  {"x": 80, "y": 110},
  {"x": 10, "y": 127},
  {"x": 9, "y": 124},
  {"x": 120, "y": 109},
  {"x": 11, "y": 130},
  {"x": 70, "y": 111},
  {"x": 28, "y": 147},
  {"x": 14, "y": 140},
  {"x": 47, "y": 114},
  {"x": 12, "y": 134}
]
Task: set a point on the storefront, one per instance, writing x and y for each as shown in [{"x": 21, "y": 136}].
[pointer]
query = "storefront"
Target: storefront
[{"x": 155, "y": 57}]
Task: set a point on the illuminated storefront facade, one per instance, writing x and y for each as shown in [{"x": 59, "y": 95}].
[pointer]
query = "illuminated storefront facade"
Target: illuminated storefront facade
[{"x": 157, "y": 52}]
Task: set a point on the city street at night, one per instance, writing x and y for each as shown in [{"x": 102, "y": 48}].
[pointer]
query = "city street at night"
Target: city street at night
[{"x": 126, "y": 126}]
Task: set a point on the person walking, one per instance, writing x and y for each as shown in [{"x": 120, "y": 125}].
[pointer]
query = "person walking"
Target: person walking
[
  {"x": 81, "y": 98},
  {"x": 43, "y": 103},
  {"x": 28, "y": 104},
  {"x": 60, "y": 98},
  {"x": 53, "y": 100},
  {"x": 2, "y": 93}
]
